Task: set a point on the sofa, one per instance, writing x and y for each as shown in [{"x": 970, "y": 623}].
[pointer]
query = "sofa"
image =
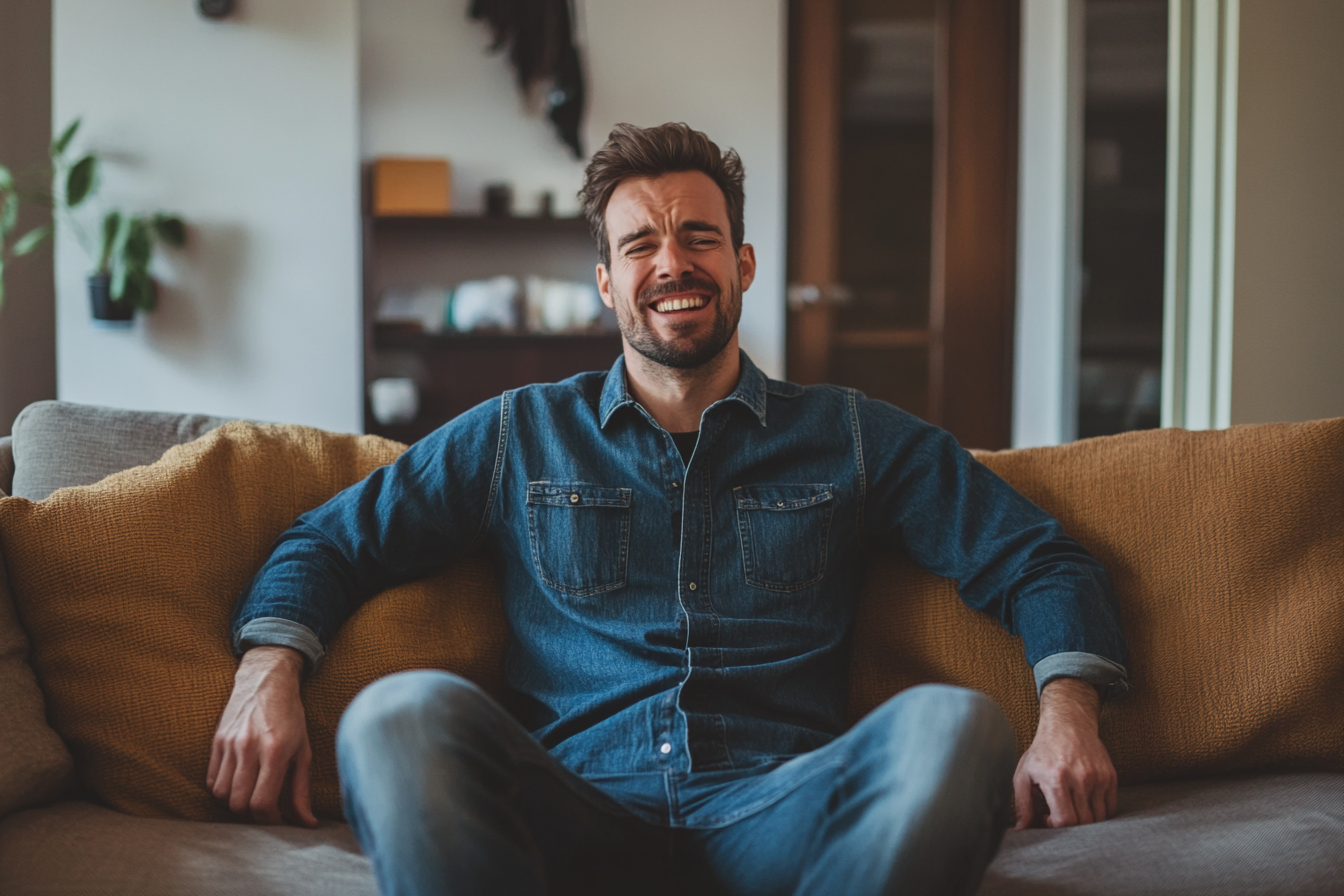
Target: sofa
[{"x": 1224, "y": 548}]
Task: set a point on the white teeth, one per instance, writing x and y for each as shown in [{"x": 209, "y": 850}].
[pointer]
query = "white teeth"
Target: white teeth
[{"x": 679, "y": 304}]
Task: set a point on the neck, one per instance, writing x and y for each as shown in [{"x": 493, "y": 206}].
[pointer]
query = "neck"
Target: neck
[{"x": 676, "y": 398}]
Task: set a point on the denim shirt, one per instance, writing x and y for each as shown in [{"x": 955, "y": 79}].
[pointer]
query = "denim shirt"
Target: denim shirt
[{"x": 688, "y": 617}]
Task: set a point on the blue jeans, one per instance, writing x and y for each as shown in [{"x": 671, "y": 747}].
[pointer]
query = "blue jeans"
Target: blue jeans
[{"x": 447, "y": 793}]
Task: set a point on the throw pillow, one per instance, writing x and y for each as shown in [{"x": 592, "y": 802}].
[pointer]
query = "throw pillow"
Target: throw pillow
[
  {"x": 1227, "y": 554},
  {"x": 34, "y": 765},
  {"x": 126, "y": 588}
]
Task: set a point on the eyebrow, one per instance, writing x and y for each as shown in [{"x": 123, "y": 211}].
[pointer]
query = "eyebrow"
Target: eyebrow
[{"x": 686, "y": 226}]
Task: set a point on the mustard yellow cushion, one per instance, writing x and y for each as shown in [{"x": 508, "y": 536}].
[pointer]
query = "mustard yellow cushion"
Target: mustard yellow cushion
[
  {"x": 126, "y": 589},
  {"x": 1227, "y": 553}
]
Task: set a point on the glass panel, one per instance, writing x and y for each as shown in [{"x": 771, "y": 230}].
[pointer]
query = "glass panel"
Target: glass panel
[
  {"x": 886, "y": 195},
  {"x": 1124, "y": 184}
]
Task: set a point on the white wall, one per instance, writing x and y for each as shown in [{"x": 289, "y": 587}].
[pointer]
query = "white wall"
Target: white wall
[
  {"x": 1288, "y": 330},
  {"x": 428, "y": 86},
  {"x": 248, "y": 128}
]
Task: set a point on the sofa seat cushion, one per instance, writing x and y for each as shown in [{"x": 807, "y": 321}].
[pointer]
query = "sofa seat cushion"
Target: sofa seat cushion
[
  {"x": 60, "y": 443},
  {"x": 76, "y": 848},
  {"x": 127, "y": 587},
  {"x": 1265, "y": 835}
]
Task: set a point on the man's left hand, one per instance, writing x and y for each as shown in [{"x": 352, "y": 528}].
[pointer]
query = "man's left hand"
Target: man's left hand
[{"x": 1067, "y": 761}]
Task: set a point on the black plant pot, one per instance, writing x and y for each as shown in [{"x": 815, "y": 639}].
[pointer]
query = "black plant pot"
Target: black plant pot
[{"x": 104, "y": 309}]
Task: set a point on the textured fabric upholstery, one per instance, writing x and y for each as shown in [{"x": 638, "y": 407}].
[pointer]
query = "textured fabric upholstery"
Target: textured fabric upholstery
[
  {"x": 6, "y": 465},
  {"x": 1270, "y": 835},
  {"x": 79, "y": 849},
  {"x": 1227, "y": 553},
  {"x": 34, "y": 765},
  {"x": 126, "y": 589},
  {"x": 59, "y": 443},
  {"x": 1273, "y": 835}
]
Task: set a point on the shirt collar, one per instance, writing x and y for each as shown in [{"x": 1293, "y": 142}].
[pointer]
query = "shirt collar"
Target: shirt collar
[{"x": 750, "y": 391}]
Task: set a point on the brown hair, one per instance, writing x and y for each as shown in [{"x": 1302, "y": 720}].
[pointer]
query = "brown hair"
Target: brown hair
[{"x": 652, "y": 152}]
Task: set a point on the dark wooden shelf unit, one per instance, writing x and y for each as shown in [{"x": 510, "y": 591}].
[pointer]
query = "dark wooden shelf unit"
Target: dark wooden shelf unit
[{"x": 456, "y": 371}]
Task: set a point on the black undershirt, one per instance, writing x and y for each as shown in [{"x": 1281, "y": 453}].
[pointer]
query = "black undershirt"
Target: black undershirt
[{"x": 685, "y": 442}]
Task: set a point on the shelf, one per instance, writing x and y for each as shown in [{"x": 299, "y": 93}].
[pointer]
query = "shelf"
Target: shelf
[
  {"x": 398, "y": 336},
  {"x": 479, "y": 224}
]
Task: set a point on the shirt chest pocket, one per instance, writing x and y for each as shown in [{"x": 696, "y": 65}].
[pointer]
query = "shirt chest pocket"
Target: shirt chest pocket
[
  {"x": 580, "y": 535},
  {"x": 783, "y": 530}
]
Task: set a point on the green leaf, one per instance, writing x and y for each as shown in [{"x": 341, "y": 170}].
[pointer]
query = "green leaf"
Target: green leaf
[
  {"x": 31, "y": 240},
  {"x": 170, "y": 229},
  {"x": 142, "y": 292},
  {"x": 59, "y": 145},
  {"x": 139, "y": 245},
  {"x": 9, "y": 214},
  {"x": 79, "y": 182},
  {"x": 6, "y": 179},
  {"x": 111, "y": 228},
  {"x": 117, "y": 257}
]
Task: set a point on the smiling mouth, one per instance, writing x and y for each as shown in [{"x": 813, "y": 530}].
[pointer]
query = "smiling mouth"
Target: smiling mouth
[{"x": 680, "y": 304}]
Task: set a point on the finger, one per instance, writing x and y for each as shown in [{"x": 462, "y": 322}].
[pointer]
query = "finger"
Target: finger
[
  {"x": 1060, "y": 802},
  {"x": 245, "y": 772},
  {"x": 265, "y": 801},
  {"x": 216, "y": 756},
  {"x": 1081, "y": 795},
  {"x": 224, "y": 775},
  {"x": 302, "y": 804},
  {"x": 1098, "y": 802},
  {"x": 1112, "y": 798},
  {"x": 1022, "y": 801}
]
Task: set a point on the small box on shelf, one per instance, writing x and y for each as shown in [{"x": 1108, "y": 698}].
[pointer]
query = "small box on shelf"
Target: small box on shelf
[{"x": 411, "y": 187}]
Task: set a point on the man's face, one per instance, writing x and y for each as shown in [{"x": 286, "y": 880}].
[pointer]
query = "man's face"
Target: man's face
[{"x": 674, "y": 281}]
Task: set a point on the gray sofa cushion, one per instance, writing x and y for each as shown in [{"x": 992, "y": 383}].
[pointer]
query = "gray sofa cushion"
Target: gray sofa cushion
[
  {"x": 35, "y": 766},
  {"x": 6, "y": 465},
  {"x": 1269, "y": 834},
  {"x": 79, "y": 848},
  {"x": 59, "y": 443},
  {"x": 1275, "y": 834}
]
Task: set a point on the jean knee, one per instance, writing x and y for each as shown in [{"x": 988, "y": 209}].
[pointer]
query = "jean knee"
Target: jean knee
[
  {"x": 399, "y": 707},
  {"x": 966, "y": 725}
]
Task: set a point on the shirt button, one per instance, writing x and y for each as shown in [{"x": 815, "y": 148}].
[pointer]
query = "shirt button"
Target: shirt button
[
  {"x": 692, "y": 586},
  {"x": 676, "y": 485},
  {"x": 665, "y": 749},
  {"x": 573, "y": 499}
]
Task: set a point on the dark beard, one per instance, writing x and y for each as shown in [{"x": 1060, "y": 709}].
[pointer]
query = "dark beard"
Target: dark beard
[{"x": 642, "y": 339}]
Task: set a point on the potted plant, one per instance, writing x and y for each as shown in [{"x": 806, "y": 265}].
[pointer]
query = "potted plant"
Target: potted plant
[{"x": 121, "y": 283}]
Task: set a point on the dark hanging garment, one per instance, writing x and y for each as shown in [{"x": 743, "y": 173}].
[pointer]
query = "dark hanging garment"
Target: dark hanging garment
[{"x": 540, "y": 37}]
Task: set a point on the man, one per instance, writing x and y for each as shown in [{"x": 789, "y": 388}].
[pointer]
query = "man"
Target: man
[{"x": 681, "y": 543}]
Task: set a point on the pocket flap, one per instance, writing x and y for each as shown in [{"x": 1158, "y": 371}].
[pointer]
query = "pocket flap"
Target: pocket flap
[
  {"x": 781, "y": 497},
  {"x": 577, "y": 494}
]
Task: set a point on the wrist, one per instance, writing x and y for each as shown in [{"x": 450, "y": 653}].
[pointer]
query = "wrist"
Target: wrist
[
  {"x": 1071, "y": 701},
  {"x": 272, "y": 658}
]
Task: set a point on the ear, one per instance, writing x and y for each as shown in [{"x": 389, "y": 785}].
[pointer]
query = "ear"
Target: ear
[
  {"x": 604, "y": 286},
  {"x": 746, "y": 265}
]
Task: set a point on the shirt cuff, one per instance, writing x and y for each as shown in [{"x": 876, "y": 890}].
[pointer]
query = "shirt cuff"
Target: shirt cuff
[
  {"x": 1110, "y": 679},
  {"x": 267, "y": 631}
]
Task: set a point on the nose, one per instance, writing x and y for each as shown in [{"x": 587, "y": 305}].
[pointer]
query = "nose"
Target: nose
[{"x": 672, "y": 262}]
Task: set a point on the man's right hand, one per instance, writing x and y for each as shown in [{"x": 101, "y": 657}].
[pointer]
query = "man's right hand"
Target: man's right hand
[{"x": 261, "y": 737}]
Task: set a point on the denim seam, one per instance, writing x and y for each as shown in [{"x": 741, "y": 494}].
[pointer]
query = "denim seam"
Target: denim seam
[
  {"x": 505, "y": 407},
  {"x": 858, "y": 458}
]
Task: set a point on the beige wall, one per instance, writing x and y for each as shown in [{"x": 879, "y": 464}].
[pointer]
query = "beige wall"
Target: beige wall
[
  {"x": 28, "y": 317},
  {"x": 1288, "y": 320}
]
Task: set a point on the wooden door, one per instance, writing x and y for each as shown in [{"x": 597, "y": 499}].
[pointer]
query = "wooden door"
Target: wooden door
[{"x": 938, "y": 341}]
